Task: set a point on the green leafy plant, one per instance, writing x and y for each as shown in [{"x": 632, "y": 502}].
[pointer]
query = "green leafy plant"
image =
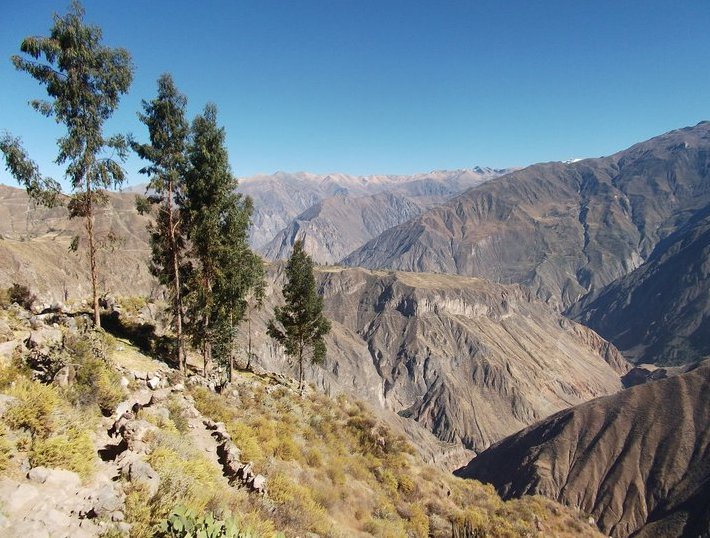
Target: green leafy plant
[{"x": 185, "y": 523}]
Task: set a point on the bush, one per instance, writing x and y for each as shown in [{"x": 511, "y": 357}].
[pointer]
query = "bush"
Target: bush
[
  {"x": 34, "y": 409},
  {"x": 73, "y": 451},
  {"x": 17, "y": 293},
  {"x": 186, "y": 477},
  {"x": 96, "y": 382},
  {"x": 5, "y": 448}
]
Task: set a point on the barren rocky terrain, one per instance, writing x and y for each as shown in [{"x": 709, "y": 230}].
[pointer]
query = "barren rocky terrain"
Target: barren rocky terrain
[{"x": 638, "y": 461}]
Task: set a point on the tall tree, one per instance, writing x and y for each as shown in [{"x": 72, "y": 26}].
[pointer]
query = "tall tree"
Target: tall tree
[
  {"x": 84, "y": 81},
  {"x": 225, "y": 271},
  {"x": 167, "y": 153},
  {"x": 300, "y": 325}
]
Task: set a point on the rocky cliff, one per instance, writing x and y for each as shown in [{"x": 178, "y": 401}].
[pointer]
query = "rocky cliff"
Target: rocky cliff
[
  {"x": 470, "y": 360},
  {"x": 660, "y": 312}
]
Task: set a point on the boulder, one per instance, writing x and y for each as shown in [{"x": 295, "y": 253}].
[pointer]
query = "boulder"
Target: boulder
[
  {"x": 55, "y": 477},
  {"x": 154, "y": 383},
  {"x": 140, "y": 472},
  {"x": 65, "y": 376}
]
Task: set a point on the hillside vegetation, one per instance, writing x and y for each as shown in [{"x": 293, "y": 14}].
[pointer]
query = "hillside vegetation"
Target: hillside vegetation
[{"x": 331, "y": 467}]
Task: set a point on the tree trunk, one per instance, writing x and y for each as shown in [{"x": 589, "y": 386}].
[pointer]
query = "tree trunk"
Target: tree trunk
[
  {"x": 92, "y": 254},
  {"x": 300, "y": 370},
  {"x": 181, "y": 359},
  {"x": 207, "y": 348},
  {"x": 249, "y": 343}
]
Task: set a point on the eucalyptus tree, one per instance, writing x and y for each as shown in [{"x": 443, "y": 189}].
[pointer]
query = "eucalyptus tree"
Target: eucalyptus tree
[
  {"x": 84, "y": 80},
  {"x": 225, "y": 271},
  {"x": 167, "y": 154},
  {"x": 300, "y": 325}
]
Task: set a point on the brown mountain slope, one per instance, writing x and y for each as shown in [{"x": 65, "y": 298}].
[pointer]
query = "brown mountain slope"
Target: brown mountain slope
[
  {"x": 470, "y": 360},
  {"x": 638, "y": 461},
  {"x": 34, "y": 248},
  {"x": 561, "y": 229},
  {"x": 660, "y": 312}
]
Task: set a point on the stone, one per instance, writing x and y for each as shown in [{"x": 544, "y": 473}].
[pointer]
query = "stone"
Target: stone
[
  {"x": 134, "y": 433},
  {"x": 140, "y": 375},
  {"x": 65, "y": 376},
  {"x": 124, "y": 382},
  {"x": 154, "y": 383},
  {"x": 140, "y": 472},
  {"x": 57, "y": 477},
  {"x": 178, "y": 387},
  {"x": 104, "y": 501},
  {"x": 160, "y": 395},
  {"x": 259, "y": 484},
  {"x": 5, "y": 402}
]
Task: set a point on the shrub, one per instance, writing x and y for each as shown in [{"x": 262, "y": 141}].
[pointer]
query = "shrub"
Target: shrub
[
  {"x": 139, "y": 512},
  {"x": 96, "y": 382},
  {"x": 177, "y": 415},
  {"x": 34, "y": 408},
  {"x": 185, "y": 523},
  {"x": 5, "y": 448},
  {"x": 17, "y": 293},
  {"x": 186, "y": 477},
  {"x": 73, "y": 451}
]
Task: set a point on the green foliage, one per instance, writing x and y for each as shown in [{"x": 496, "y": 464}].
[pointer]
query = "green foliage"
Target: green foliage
[
  {"x": 17, "y": 293},
  {"x": 225, "y": 271},
  {"x": 300, "y": 325},
  {"x": 73, "y": 451},
  {"x": 5, "y": 448},
  {"x": 85, "y": 81},
  {"x": 185, "y": 523},
  {"x": 167, "y": 154},
  {"x": 186, "y": 476}
]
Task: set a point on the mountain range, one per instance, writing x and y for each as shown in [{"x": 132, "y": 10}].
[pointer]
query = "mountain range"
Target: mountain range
[{"x": 562, "y": 229}]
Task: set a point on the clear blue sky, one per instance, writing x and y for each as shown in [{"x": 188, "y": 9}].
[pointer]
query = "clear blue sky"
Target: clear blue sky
[{"x": 383, "y": 86}]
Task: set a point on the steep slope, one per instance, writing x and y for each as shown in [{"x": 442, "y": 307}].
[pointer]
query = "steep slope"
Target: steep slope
[
  {"x": 660, "y": 312},
  {"x": 334, "y": 227},
  {"x": 638, "y": 461},
  {"x": 34, "y": 248},
  {"x": 470, "y": 360},
  {"x": 561, "y": 229},
  {"x": 281, "y": 197}
]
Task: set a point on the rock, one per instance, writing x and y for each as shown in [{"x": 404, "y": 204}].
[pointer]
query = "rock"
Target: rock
[
  {"x": 139, "y": 399},
  {"x": 103, "y": 501},
  {"x": 140, "y": 472},
  {"x": 124, "y": 382},
  {"x": 65, "y": 376},
  {"x": 178, "y": 387},
  {"x": 154, "y": 383},
  {"x": 259, "y": 484},
  {"x": 139, "y": 375},
  {"x": 160, "y": 395},
  {"x": 5, "y": 402},
  {"x": 134, "y": 432},
  {"x": 57, "y": 477}
]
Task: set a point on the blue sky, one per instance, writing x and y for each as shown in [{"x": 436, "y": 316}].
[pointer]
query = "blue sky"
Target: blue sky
[{"x": 384, "y": 86}]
